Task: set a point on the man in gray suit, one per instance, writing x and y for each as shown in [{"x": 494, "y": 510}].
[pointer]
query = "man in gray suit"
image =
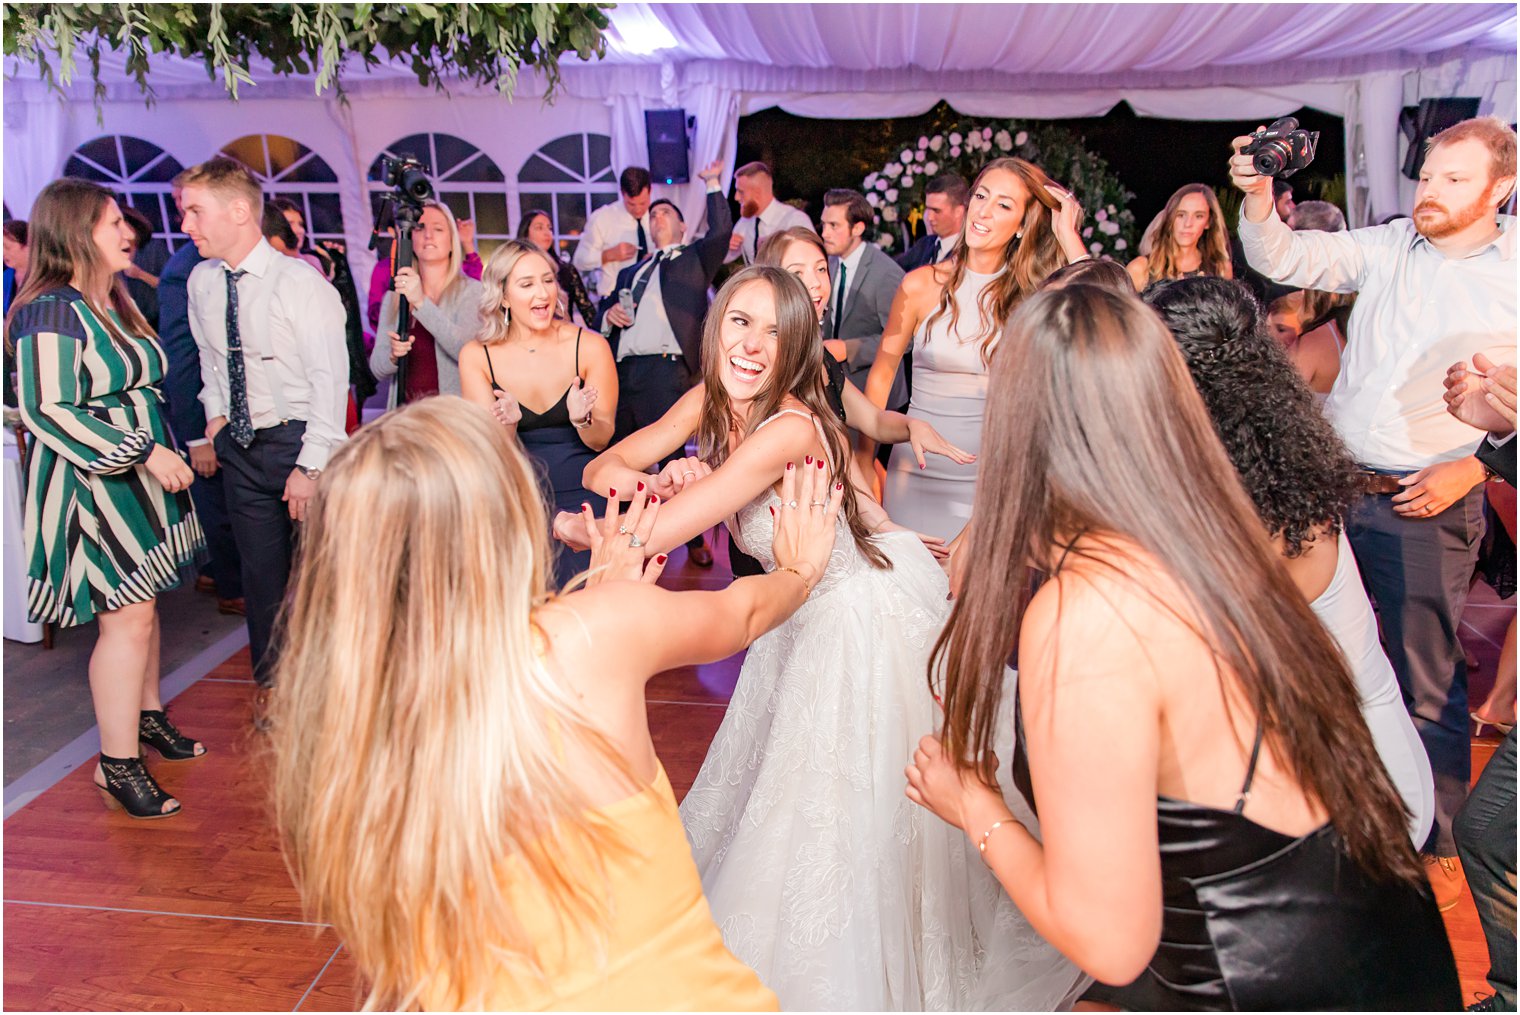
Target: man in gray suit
[{"x": 864, "y": 282}]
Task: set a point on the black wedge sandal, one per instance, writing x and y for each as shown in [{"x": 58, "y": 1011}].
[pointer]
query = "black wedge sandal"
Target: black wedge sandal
[
  {"x": 155, "y": 730},
  {"x": 130, "y": 788}
]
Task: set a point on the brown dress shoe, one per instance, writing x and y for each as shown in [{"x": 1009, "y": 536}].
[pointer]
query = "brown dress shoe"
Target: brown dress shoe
[
  {"x": 232, "y": 607},
  {"x": 700, "y": 555},
  {"x": 1446, "y": 879},
  {"x": 203, "y": 583}
]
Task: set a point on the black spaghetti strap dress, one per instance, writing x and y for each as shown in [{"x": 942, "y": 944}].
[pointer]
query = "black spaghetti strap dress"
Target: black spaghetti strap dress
[
  {"x": 559, "y": 457},
  {"x": 1256, "y": 920}
]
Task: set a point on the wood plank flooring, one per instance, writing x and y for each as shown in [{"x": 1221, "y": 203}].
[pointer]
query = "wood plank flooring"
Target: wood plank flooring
[{"x": 198, "y": 912}]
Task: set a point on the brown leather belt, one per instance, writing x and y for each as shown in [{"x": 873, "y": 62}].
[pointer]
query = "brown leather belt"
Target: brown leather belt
[{"x": 1381, "y": 483}]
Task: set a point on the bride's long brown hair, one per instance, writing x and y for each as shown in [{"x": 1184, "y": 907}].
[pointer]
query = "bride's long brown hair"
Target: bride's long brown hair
[
  {"x": 1093, "y": 426},
  {"x": 795, "y": 374},
  {"x": 1030, "y": 255}
]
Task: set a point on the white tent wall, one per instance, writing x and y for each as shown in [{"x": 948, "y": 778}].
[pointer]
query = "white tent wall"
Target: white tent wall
[{"x": 41, "y": 134}]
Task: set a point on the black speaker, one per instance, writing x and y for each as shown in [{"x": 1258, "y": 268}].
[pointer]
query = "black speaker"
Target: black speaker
[
  {"x": 666, "y": 131},
  {"x": 1423, "y": 122}
]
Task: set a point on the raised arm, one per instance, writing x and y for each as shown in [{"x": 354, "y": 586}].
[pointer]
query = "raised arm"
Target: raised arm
[
  {"x": 624, "y": 465},
  {"x": 755, "y": 466}
]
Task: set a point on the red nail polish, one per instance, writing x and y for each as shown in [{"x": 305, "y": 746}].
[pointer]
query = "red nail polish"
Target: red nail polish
[
  {"x": 809, "y": 459},
  {"x": 661, "y": 559},
  {"x": 838, "y": 486},
  {"x": 773, "y": 512},
  {"x": 611, "y": 493},
  {"x": 585, "y": 506},
  {"x": 820, "y": 465},
  {"x": 788, "y": 466},
  {"x": 654, "y": 498},
  {"x": 641, "y": 488}
]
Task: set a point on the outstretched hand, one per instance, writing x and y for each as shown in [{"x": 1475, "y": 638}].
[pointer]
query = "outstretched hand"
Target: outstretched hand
[
  {"x": 922, "y": 438},
  {"x": 618, "y": 545},
  {"x": 804, "y": 535},
  {"x": 581, "y": 399}
]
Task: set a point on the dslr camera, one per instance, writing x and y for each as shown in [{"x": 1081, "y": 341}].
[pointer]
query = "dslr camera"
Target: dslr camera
[
  {"x": 408, "y": 176},
  {"x": 1282, "y": 149}
]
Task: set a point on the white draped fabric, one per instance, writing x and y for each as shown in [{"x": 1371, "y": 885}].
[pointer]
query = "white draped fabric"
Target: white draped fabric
[{"x": 722, "y": 61}]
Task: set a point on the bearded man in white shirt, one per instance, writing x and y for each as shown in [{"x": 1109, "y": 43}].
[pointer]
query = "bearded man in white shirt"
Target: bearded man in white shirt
[
  {"x": 1433, "y": 290},
  {"x": 274, "y": 371},
  {"x": 761, "y": 215}
]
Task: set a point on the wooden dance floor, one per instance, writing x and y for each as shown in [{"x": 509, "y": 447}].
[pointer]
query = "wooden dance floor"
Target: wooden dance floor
[{"x": 198, "y": 912}]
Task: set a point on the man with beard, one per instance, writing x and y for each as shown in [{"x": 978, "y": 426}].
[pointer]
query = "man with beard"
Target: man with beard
[
  {"x": 761, "y": 215},
  {"x": 1432, "y": 290}
]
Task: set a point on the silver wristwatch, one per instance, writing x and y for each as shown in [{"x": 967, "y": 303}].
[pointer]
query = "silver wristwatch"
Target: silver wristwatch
[{"x": 311, "y": 474}]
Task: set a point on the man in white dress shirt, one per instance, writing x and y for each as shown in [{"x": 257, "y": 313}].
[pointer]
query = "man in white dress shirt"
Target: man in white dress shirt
[
  {"x": 617, "y": 235},
  {"x": 1433, "y": 290},
  {"x": 760, "y": 213},
  {"x": 274, "y": 371}
]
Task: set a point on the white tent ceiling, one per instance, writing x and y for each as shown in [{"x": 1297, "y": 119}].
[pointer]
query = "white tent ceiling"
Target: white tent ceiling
[{"x": 720, "y": 61}]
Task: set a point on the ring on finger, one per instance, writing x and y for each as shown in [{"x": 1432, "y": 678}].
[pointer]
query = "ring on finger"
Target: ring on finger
[
  {"x": 688, "y": 472},
  {"x": 818, "y": 503},
  {"x": 635, "y": 542},
  {"x": 791, "y": 504},
  {"x": 622, "y": 530}
]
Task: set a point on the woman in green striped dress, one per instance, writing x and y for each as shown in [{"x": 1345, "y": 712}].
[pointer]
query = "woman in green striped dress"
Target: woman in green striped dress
[{"x": 108, "y": 518}]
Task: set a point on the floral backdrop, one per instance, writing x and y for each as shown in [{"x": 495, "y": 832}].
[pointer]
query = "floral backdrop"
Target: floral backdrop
[{"x": 896, "y": 190}]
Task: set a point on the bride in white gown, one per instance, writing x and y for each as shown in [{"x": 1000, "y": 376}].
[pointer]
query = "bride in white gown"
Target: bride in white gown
[{"x": 821, "y": 874}]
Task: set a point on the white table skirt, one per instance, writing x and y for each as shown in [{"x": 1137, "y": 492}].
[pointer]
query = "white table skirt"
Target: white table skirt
[{"x": 17, "y": 626}]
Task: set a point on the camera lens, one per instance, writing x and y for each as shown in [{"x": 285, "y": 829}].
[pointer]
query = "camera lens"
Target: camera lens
[
  {"x": 415, "y": 183},
  {"x": 1272, "y": 157}
]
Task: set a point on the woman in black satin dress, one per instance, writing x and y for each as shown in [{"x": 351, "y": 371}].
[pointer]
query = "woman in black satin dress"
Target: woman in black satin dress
[{"x": 1218, "y": 832}]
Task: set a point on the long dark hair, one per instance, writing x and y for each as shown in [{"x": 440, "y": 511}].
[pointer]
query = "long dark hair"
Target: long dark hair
[
  {"x": 1030, "y": 255},
  {"x": 795, "y": 374},
  {"x": 1213, "y": 245},
  {"x": 1291, "y": 460},
  {"x": 1093, "y": 426},
  {"x": 527, "y": 221},
  {"x": 61, "y": 243}
]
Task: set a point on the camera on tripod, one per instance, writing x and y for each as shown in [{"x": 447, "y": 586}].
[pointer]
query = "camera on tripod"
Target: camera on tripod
[
  {"x": 399, "y": 211},
  {"x": 1282, "y": 149},
  {"x": 408, "y": 176}
]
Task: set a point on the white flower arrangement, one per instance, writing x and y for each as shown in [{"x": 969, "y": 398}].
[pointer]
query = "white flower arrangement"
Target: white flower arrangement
[{"x": 896, "y": 191}]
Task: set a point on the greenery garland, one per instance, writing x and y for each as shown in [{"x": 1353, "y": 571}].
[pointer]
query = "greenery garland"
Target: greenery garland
[
  {"x": 896, "y": 190},
  {"x": 483, "y": 42}
]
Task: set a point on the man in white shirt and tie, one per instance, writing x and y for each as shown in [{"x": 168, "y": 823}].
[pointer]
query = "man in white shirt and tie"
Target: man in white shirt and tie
[
  {"x": 760, "y": 213},
  {"x": 1432, "y": 290},
  {"x": 274, "y": 370},
  {"x": 945, "y": 199},
  {"x": 617, "y": 235}
]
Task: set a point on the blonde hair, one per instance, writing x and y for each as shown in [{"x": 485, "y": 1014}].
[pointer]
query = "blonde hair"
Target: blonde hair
[
  {"x": 228, "y": 178},
  {"x": 494, "y": 322},
  {"x": 456, "y": 248},
  {"x": 422, "y": 747}
]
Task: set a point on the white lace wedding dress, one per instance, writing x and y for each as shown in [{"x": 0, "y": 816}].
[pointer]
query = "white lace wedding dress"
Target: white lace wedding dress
[{"x": 840, "y": 892}]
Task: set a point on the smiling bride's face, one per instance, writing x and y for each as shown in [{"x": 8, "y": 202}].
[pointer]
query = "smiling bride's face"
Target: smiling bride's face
[{"x": 747, "y": 338}]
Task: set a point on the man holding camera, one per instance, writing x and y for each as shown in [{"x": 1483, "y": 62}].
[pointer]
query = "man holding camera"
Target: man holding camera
[{"x": 1433, "y": 290}]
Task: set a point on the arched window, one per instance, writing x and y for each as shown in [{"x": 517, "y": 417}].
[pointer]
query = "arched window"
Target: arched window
[
  {"x": 570, "y": 177},
  {"x": 139, "y": 171},
  {"x": 467, "y": 180},
  {"x": 288, "y": 169}
]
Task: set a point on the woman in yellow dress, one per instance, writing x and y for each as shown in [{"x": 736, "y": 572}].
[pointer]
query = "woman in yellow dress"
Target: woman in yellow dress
[{"x": 465, "y": 782}]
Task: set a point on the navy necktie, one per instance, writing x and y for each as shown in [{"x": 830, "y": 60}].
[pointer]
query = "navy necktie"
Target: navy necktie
[
  {"x": 644, "y": 275},
  {"x": 643, "y": 239},
  {"x": 241, "y": 420},
  {"x": 839, "y": 302}
]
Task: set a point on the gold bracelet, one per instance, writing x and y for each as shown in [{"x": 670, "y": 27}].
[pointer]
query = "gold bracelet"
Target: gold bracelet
[
  {"x": 982, "y": 846},
  {"x": 807, "y": 588}
]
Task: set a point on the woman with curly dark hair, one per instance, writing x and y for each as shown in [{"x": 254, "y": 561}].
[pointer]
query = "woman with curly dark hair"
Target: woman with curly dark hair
[{"x": 1302, "y": 481}]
